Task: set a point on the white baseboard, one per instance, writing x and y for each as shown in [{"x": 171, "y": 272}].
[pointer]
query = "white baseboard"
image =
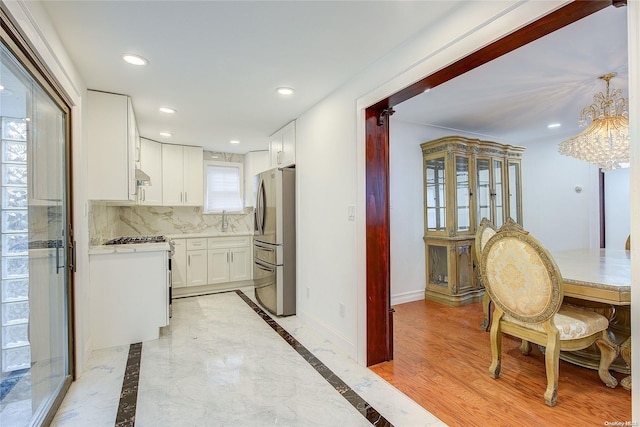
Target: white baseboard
[
  {"x": 347, "y": 346},
  {"x": 407, "y": 297}
]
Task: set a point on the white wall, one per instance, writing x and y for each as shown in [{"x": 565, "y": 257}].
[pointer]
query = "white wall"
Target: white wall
[
  {"x": 617, "y": 207},
  {"x": 330, "y": 165},
  {"x": 33, "y": 21},
  {"x": 553, "y": 211}
]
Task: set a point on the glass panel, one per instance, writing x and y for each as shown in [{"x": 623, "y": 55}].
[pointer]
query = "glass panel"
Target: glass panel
[
  {"x": 498, "y": 191},
  {"x": 33, "y": 303},
  {"x": 438, "y": 266},
  {"x": 435, "y": 194},
  {"x": 514, "y": 197},
  {"x": 463, "y": 198},
  {"x": 464, "y": 267},
  {"x": 483, "y": 190}
]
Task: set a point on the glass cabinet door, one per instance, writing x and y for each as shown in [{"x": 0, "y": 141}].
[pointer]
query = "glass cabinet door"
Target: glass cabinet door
[
  {"x": 463, "y": 198},
  {"x": 514, "y": 192},
  {"x": 483, "y": 190},
  {"x": 497, "y": 193},
  {"x": 435, "y": 194}
]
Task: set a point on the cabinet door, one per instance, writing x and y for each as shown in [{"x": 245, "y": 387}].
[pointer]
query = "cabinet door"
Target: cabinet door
[
  {"x": 515, "y": 210},
  {"x": 172, "y": 175},
  {"x": 240, "y": 264},
  {"x": 193, "y": 176},
  {"x": 218, "y": 266},
  {"x": 151, "y": 164},
  {"x": 288, "y": 155},
  {"x": 498, "y": 192},
  {"x": 435, "y": 195},
  {"x": 108, "y": 146},
  {"x": 197, "y": 268},
  {"x": 275, "y": 148},
  {"x": 179, "y": 264},
  {"x": 132, "y": 135},
  {"x": 483, "y": 190}
]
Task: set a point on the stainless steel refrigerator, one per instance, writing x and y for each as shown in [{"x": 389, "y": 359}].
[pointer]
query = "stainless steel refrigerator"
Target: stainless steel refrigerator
[{"x": 274, "y": 241}]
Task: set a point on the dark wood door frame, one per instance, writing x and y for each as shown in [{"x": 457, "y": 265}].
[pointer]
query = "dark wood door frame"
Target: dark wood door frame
[{"x": 379, "y": 312}]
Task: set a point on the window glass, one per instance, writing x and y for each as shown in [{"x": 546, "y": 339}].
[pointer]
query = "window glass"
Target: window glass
[{"x": 223, "y": 190}]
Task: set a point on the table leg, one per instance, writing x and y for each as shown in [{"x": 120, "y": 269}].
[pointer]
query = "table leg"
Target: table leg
[{"x": 625, "y": 352}]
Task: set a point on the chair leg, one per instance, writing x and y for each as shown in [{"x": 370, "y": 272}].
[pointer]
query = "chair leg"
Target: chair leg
[
  {"x": 525, "y": 347},
  {"x": 486, "y": 310},
  {"x": 496, "y": 349},
  {"x": 608, "y": 353},
  {"x": 552, "y": 362}
]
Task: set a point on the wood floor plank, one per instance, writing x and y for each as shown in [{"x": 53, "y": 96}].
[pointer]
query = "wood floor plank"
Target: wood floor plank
[{"x": 442, "y": 358}]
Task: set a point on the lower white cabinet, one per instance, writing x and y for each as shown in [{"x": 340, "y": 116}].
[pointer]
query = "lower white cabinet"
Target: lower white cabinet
[
  {"x": 209, "y": 261},
  {"x": 197, "y": 268},
  {"x": 229, "y": 259},
  {"x": 179, "y": 263}
]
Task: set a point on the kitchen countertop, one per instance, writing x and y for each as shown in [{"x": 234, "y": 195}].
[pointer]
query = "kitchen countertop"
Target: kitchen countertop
[
  {"x": 205, "y": 235},
  {"x": 113, "y": 249}
]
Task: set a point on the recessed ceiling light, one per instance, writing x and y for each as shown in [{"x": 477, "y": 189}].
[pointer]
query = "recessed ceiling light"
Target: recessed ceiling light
[
  {"x": 285, "y": 91},
  {"x": 165, "y": 134},
  {"x": 553, "y": 125},
  {"x": 167, "y": 110},
  {"x": 426, "y": 90},
  {"x": 134, "y": 59},
  {"x": 234, "y": 141}
]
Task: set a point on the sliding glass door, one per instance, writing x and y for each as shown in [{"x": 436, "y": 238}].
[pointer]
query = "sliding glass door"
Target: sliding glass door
[{"x": 35, "y": 366}]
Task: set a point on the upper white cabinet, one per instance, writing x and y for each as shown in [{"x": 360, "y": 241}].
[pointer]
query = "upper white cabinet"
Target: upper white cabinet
[
  {"x": 254, "y": 163},
  {"x": 282, "y": 146},
  {"x": 182, "y": 175},
  {"x": 151, "y": 164},
  {"x": 111, "y": 147}
]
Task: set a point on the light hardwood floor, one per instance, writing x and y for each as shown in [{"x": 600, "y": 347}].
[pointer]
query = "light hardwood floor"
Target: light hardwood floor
[{"x": 442, "y": 358}]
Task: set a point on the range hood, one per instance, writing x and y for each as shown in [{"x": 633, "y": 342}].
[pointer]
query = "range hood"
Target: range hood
[{"x": 142, "y": 178}]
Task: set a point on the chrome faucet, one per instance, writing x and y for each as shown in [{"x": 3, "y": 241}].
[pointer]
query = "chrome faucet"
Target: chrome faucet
[{"x": 225, "y": 221}]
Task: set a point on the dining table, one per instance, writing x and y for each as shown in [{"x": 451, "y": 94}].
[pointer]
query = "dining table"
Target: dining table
[{"x": 600, "y": 280}]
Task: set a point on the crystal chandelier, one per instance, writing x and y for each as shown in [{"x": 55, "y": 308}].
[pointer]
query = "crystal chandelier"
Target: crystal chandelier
[{"x": 605, "y": 142}]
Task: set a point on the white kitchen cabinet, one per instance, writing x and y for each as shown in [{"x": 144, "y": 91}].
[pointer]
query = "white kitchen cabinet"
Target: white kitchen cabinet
[
  {"x": 151, "y": 164},
  {"x": 282, "y": 146},
  {"x": 254, "y": 163},
  {"x": 218, "y": 265},
  {"x": 179, "y": 263},
  {"x": 229, "y": 259},
  {"x": 197, "y": 262},
  {"x": 182, "y": 175},
  {"x": 111, "y": 147}
]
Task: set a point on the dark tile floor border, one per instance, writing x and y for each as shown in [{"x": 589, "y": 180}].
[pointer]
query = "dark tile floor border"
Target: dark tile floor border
[
  {"x": 128, "y": 397},
  {"x": 126, "y": 416},
  {"x": 367, "y": 411}
]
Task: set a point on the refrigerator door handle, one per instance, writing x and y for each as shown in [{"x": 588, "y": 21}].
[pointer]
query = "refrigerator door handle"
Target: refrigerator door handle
[
  {"x": 261, "y": 202},
  {"x": 264, "y": 248},
  {"x": 264, "y": 267}
]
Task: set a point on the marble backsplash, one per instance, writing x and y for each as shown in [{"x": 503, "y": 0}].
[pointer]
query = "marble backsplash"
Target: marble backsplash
[
  {"x": 103, "y": 222},
  {"x": 107, "y": 222},
  {"x": 151, "y": 220}
]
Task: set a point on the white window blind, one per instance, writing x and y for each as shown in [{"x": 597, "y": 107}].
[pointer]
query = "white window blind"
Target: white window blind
[{"x": 223, "y": 187}]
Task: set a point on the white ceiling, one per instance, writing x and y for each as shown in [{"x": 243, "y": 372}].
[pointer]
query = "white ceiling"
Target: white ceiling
[
  {"x": 513, "y": 98},
  {"x": 219, "y": 62}
]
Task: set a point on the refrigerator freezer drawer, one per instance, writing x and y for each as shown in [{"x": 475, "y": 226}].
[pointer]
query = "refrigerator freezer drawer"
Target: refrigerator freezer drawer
[{"x": 268, "y": 253}]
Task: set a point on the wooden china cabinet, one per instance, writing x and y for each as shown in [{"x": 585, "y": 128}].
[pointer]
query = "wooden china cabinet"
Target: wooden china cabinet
[{"x": 464, "y": 181}]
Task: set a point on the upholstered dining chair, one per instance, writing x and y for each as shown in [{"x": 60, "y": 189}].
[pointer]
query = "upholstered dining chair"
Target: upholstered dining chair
[
  {"x": 485, "y": 231},
  {"x": 526, "y": 287}
]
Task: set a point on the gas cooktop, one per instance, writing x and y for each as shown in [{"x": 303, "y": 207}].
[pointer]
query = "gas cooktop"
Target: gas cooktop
[{"x": 136, "y": 239}]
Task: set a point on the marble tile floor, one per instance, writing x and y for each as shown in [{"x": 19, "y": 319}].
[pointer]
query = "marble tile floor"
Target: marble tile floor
[{"x": 220, "y": 364}]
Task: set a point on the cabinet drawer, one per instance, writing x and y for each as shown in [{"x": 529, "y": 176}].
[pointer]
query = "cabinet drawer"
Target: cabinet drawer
[
  {"x": 195, "y": 244},
  {"x": 228, "y": 242}
]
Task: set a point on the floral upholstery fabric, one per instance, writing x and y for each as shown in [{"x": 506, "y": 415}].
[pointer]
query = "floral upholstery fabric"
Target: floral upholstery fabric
[
  {"x": 571, "y": 322},
  {"x": 518, "y": 278}
]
